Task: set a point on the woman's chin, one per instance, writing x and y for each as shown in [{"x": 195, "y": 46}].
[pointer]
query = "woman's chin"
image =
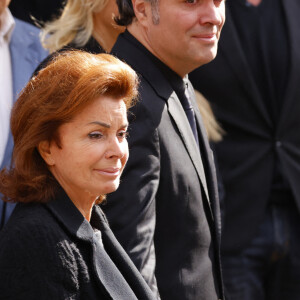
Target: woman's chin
[{"x": 110, "y": 188}]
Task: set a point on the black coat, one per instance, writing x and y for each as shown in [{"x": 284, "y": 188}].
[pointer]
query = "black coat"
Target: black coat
[
  {"x": 92, "y": 46},
  {"x": 167, "y": 214},
  {"x": 48, "y": 251},
  {"x": 252, "y": 141}
]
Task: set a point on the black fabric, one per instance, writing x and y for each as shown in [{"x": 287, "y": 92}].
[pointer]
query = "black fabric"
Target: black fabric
[
  {"x": 31, "y": 10},
  {"x": 92, "y": 46},
  {"x": 261, "y": 29},
  {"x": 164, "y": 214},
  {"x": 268, "y": 62},
  {"x": 189, "y": 111},
  {"x": 177, "y": 83},
  {"x": 48, "y": 251},
  {"x": 254, "y": 141}
]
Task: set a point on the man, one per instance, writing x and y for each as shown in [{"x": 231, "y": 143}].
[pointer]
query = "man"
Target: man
[
  {"x": 20, "y": 53},
  {"x": 253, "y": 85},
  {"x": 166, "y": 212}
]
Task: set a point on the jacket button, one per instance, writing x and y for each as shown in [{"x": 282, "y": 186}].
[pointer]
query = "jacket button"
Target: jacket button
[{"x": 278, "y": 144}]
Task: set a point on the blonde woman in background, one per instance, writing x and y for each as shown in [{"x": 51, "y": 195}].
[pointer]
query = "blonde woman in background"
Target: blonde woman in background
[{"x": 84, "y": 24}]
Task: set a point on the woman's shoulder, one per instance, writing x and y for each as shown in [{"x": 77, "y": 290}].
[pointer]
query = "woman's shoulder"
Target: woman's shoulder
[
  {"x": 30, "y": 225},
  {"x": 36, "y": 250},
  {"x": 30, "y": 214}
]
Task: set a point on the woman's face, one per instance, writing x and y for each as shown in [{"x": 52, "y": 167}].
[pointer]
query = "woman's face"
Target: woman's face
[{"x": 94, "y": 150}]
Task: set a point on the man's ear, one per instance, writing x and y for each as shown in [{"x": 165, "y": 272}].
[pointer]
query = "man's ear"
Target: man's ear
[
  {"x": 142, "y": 11},
  {"x": 44, "y": 149}
]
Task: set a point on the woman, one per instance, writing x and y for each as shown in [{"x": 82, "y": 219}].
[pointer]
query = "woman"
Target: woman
[
  {"x": 69, "y": 127},
  {"x": 87, "y": 24}
]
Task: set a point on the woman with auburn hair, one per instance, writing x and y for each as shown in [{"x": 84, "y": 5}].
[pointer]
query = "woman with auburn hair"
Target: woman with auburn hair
[
  {"x": 69, "y": 127},
  {"x": 86, "y": 24}
]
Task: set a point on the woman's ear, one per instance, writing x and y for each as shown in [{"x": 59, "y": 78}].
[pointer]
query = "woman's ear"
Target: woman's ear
[{"x": 44, "y": 149}]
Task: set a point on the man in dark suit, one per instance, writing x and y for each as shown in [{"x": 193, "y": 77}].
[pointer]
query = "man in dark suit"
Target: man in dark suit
[
  {"x": 166, "y": 212},
  {"x": 253, "y": 86}
]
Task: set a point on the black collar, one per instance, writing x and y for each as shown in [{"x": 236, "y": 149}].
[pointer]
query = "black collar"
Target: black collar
[
  {"x": 172, "y": 77},
  {"x": 71, "y": 218}
]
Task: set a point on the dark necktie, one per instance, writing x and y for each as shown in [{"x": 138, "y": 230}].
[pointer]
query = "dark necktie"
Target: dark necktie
[
  {"x": 185, "y": 99},
  {"x": 189, "y": 110}
]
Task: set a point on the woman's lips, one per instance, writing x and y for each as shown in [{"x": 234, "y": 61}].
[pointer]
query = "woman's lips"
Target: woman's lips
[{"x": 109, "y": 171}]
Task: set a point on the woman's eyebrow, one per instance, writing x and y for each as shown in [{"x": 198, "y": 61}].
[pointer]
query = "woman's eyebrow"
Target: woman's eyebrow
[{"x": 101, "y": 124}]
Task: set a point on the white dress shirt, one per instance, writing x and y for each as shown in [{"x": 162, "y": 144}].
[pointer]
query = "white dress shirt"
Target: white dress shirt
[{"x": 7, "y": 24}]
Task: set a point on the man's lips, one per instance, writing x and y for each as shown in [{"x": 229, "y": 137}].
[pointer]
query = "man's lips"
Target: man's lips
[{"x": 206, "y": 36}]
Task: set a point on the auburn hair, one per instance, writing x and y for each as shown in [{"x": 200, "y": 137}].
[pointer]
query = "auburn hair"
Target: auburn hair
[{"x": 71, "y": 81}]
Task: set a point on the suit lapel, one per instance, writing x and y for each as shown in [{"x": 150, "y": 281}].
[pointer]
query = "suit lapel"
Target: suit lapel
[
  {"x": 177, "y": 113},
  {"x": 210, "y": 173},
  {"x": 232, "y": 50},
  {"x": 291, "y": 10}
]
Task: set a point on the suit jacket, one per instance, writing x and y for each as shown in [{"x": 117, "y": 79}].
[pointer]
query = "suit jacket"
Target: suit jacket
[
  {"x": 49, "y": 251},
  {"x": 247, "y": 153},
  {"x": 26, "y": 53},
  {"x": 166, "y": 213}
]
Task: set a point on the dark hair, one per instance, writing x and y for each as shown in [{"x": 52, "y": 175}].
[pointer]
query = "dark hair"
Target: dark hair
[
  {"x": 53, "y": 97},
  {"x": 126, "y": 13}
]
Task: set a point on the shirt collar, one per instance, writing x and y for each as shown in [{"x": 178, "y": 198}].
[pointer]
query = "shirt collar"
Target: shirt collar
[{"x": 7, "y": 25}]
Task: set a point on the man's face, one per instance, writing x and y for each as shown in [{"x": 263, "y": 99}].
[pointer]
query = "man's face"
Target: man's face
[
  {"x": 3, "y": 5},
  {"x": 187, "y": 34}
]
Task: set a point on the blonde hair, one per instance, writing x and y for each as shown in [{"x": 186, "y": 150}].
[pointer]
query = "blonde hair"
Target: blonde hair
[
  {"x": 214, "y": 131},
  {"x": 75, "y": 24}
]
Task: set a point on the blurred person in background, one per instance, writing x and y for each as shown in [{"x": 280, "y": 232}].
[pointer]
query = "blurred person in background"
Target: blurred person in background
[
  {"x": 87, "y": 25},
  {"x": 69, "y": 127},
  {"x": 20, "y": 53},
  {"x": 253, "y": 86}
]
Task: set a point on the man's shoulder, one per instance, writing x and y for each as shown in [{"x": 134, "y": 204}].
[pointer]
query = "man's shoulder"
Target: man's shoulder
[
  {"x": 27, "y": 35},
  {"x": 24, "y": 29},
  {"x": 25, "y": 25},
  {"x": 136, "y": 55}
]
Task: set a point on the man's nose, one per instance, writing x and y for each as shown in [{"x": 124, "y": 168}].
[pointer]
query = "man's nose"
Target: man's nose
[{"x": 212, "y": 13}]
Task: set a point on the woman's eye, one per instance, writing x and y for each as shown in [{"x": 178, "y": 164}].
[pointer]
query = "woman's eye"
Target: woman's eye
[
  {"x": 123, "y": 134},
  {"x": 95, "y": 135},
  {"x": 191, "y": 1}
]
